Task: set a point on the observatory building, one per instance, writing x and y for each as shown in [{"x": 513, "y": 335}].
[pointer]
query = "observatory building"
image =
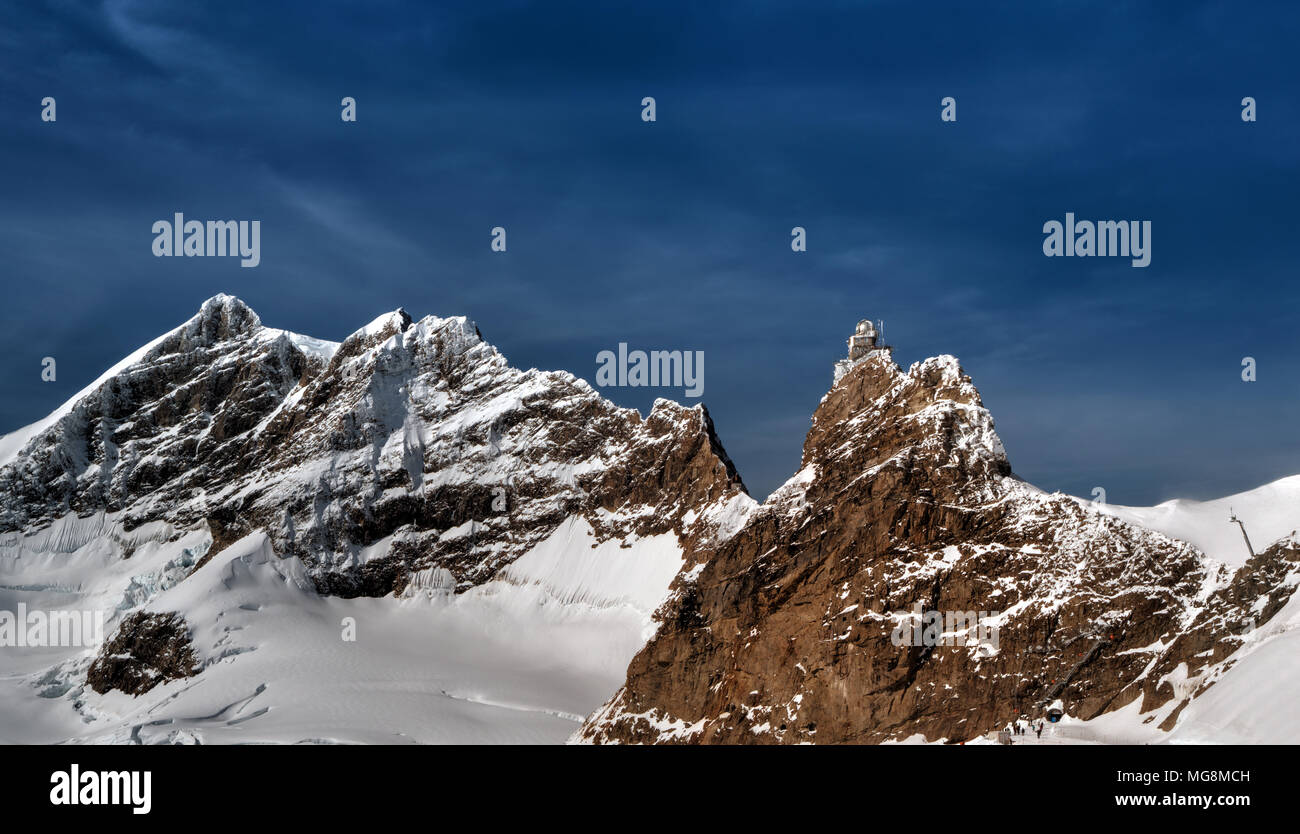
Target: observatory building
[{"x": 865, "y": 342}]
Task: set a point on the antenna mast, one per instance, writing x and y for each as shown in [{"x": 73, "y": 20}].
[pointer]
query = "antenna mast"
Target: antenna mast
[{"x": 1232, "y": 519}]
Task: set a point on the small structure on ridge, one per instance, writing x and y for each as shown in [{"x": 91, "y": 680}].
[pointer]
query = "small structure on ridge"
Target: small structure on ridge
[{"x": 865, "y": 342}]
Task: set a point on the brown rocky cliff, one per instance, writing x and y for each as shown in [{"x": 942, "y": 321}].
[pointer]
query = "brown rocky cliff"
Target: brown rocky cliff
[{"x": 905, "y": 497}]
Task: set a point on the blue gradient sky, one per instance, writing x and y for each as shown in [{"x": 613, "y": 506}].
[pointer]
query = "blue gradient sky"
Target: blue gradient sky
[{"x": 676, "y": 234}]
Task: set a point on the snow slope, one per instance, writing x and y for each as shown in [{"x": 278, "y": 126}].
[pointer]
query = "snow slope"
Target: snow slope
[
  {"x": 520, "y": 659},
  {"x": 1270, "y": 512},
  {"x": 1254, "y": 702}
]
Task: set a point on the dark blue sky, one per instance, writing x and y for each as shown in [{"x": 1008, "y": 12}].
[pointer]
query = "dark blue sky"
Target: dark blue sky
[{"x": 676, "y": 234}]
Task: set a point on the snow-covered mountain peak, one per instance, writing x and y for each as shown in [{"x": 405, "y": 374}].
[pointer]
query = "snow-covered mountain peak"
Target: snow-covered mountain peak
[
  {"x": 228, "y": 488},
  {"x": 410, "y": 461},
  {"x": 381, "y": 328},
  {"x": 220, "y": 318},
  {"x": 877, "y": 413}
]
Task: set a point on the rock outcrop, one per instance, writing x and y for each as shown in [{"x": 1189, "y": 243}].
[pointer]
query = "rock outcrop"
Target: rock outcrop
[
  {"x": 905, "y": 503},
  {"x": 147, "y": 650}
]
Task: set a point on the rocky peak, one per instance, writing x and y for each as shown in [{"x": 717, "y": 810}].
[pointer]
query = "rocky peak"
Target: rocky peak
[
  {"x": 375, "y": 333},
  {"x": 166, "y": 409},
  {"x": 221, "y": 318},
  {"x": 927, "y": 423},
  {"x": 786, "y": 631},
  {"x": 414, "y": 446}
]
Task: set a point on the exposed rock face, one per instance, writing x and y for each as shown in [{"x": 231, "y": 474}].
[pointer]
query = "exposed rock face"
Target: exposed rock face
[
  {"x": 160, "y": 425},
  {"x": 410, "y": 454},
  {"x": 1230, "y": 617},
  {"x": 788, "y": 633},
  {"x": 411, "y": 446},
  {"x": 147, "y": 650}
]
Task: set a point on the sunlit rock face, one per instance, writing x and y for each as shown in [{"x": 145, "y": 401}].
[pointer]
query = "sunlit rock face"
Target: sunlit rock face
[{"x": 799, "y": 628}]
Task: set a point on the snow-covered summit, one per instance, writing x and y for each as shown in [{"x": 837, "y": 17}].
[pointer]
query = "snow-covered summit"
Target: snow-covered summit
[{"x": 409, "y": 462}]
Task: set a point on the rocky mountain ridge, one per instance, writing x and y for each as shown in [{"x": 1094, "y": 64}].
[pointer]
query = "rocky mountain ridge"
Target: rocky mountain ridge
[
  {"x": 410, "y": 458},
  {"x": 412, "y": 438},
  {"x": 905, "y": 502},
  {"x": 412, "y": 461}
]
